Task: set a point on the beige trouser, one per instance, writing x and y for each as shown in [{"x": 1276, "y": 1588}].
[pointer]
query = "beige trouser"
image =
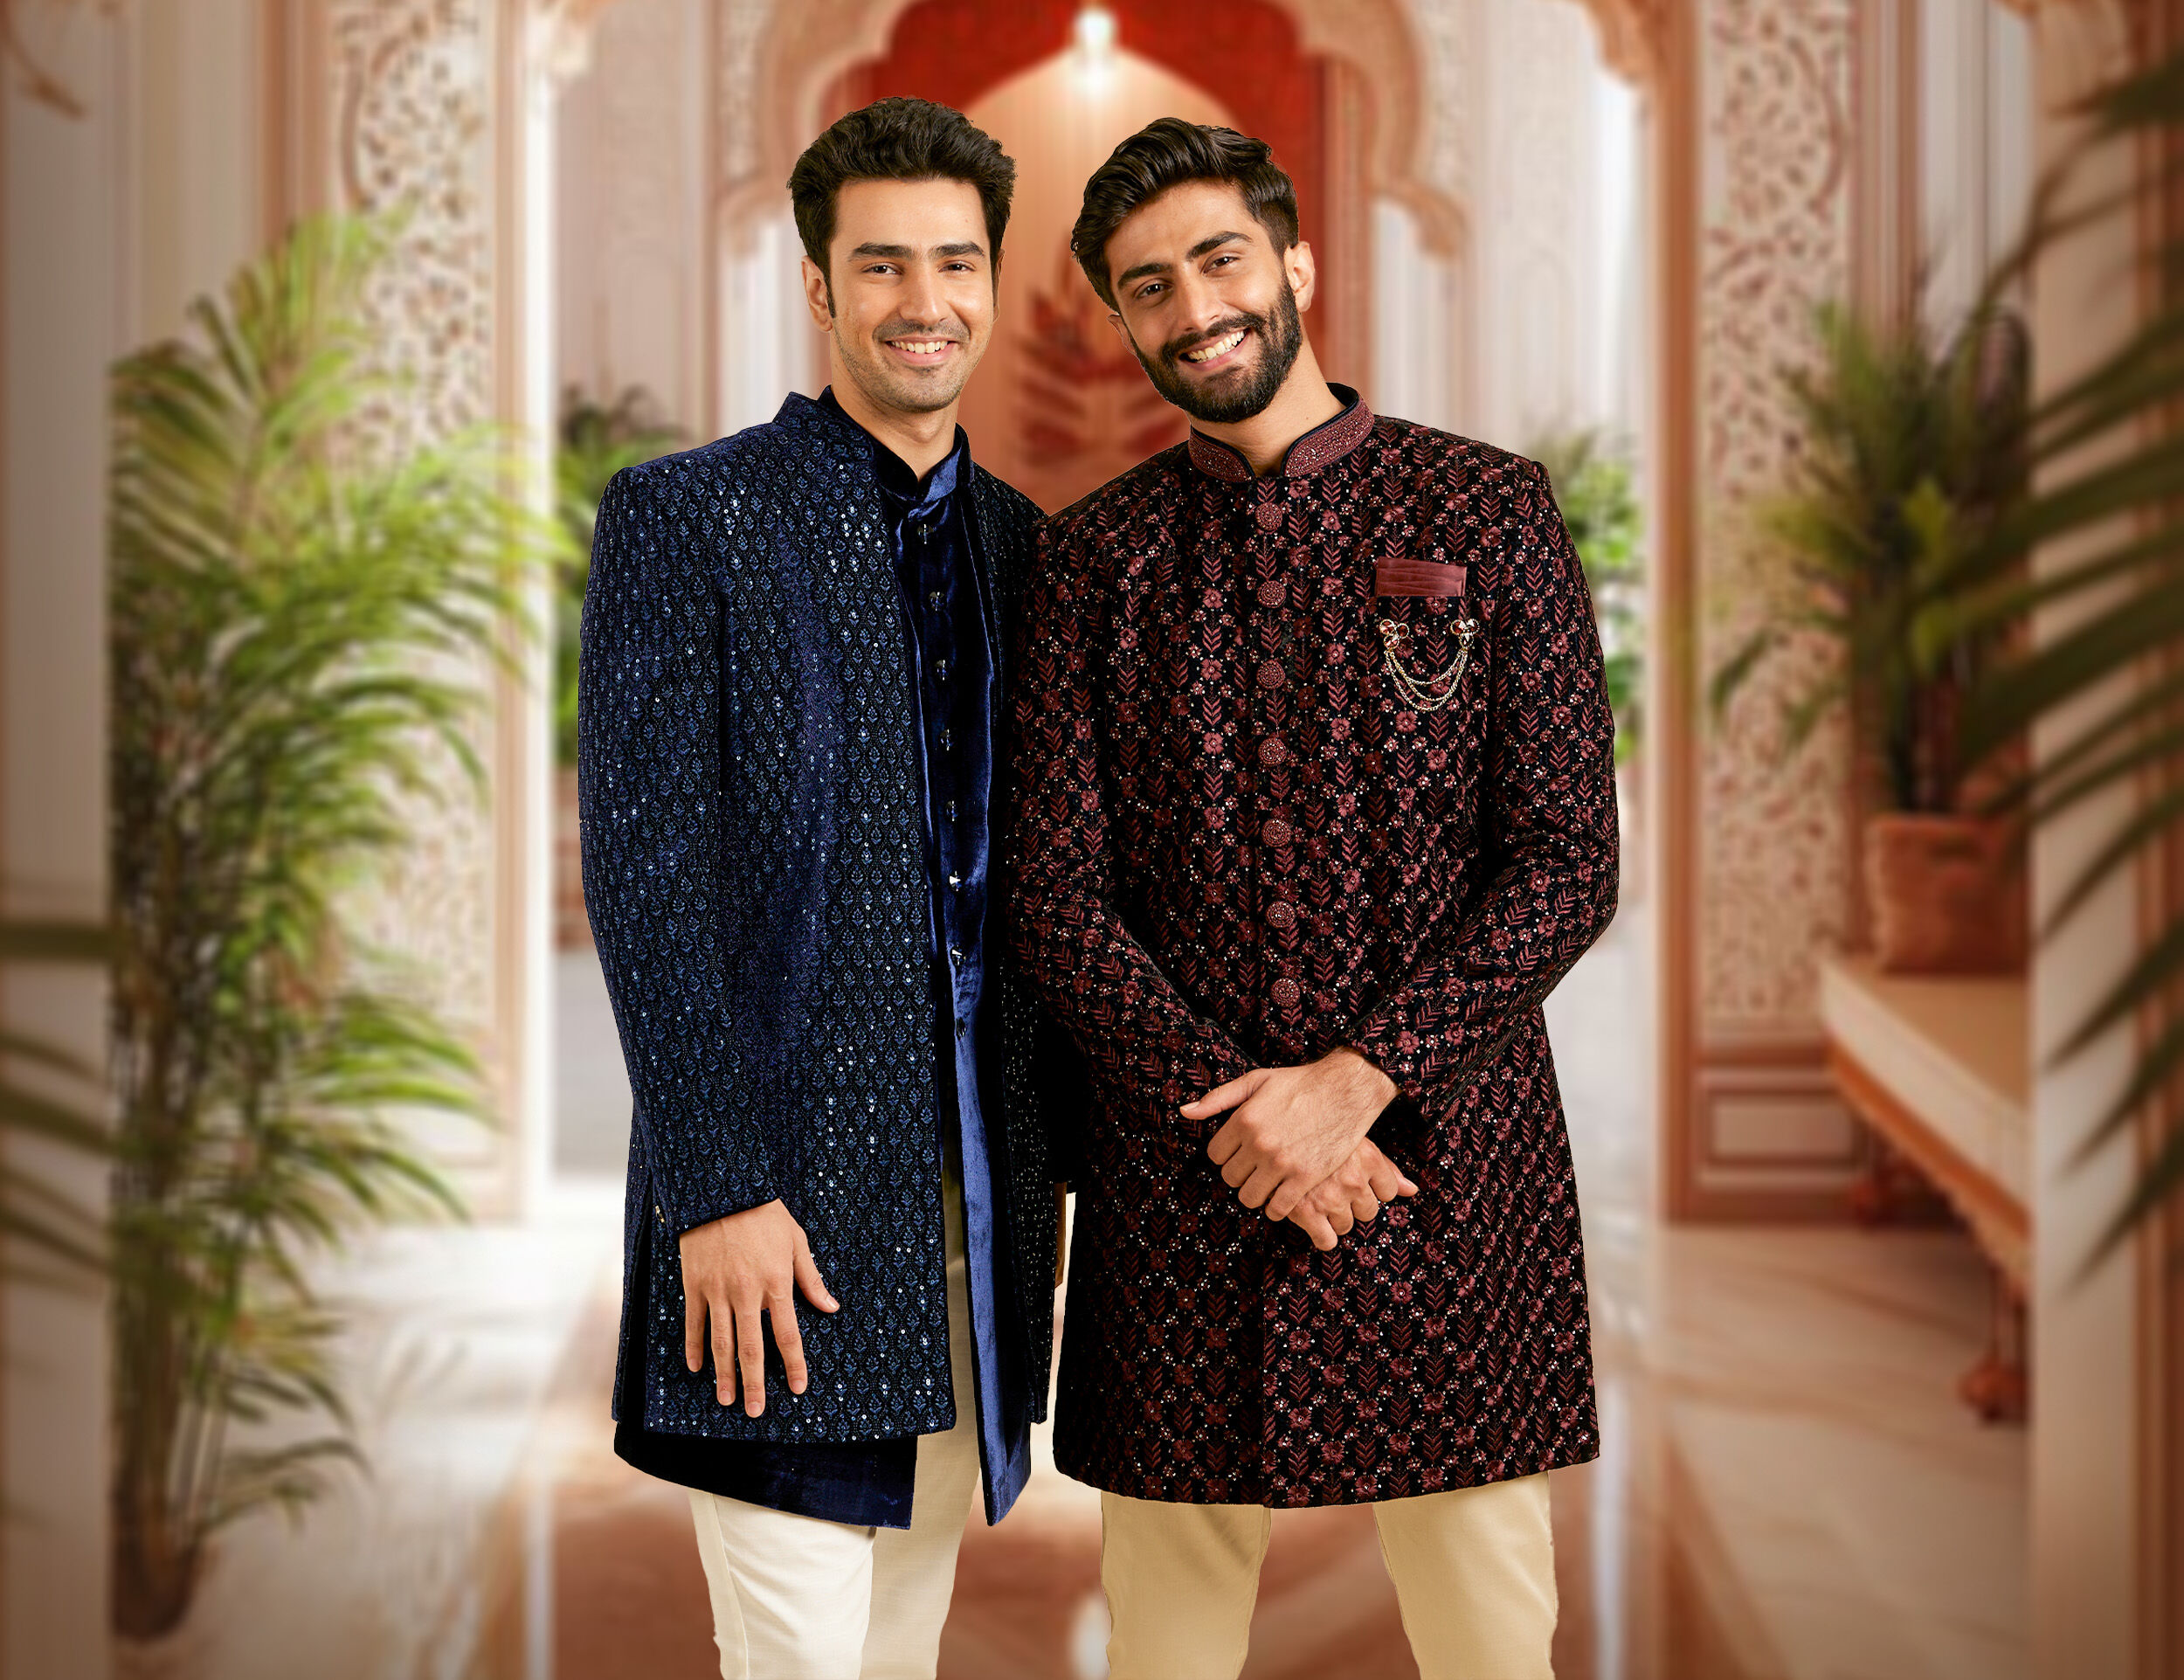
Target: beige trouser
[
  {"x": 797, "y": 1598},
  {"x": 1474, "y": 1572}
]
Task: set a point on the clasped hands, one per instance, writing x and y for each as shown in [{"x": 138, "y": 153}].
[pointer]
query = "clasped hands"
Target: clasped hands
[{"x": 1295, "y": 1143}]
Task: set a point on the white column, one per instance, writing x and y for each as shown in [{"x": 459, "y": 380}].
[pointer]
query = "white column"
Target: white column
[{"x": 2087, "y": 1468}]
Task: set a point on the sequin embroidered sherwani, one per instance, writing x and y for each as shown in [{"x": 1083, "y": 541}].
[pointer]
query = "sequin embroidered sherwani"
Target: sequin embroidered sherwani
[
  {"x": 758, "y": 873},
  {"x": 1241, "y": 845}
]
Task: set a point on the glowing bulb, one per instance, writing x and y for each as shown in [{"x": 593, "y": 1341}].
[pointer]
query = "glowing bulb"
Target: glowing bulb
[{"x": 1095, "y": 33}]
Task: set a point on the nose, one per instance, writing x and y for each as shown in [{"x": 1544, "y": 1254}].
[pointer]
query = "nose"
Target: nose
[
  {"x": 921, "y": 304},
  {"x": 1198, "y": 303}
]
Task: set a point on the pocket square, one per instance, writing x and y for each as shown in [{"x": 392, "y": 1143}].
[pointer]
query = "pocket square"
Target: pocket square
[{"x": 1400, "y": 575}]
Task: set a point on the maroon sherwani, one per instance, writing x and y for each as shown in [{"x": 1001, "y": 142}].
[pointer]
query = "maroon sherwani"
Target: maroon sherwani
[{"x": 1242, "y": 840}]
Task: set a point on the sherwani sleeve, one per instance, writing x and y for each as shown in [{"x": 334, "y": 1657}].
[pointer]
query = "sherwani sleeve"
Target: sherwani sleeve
[
  {"x": 1146, "y": 1044},
  {"x": 650, "y": 811},
  {"x": 1548, "y": 838}
]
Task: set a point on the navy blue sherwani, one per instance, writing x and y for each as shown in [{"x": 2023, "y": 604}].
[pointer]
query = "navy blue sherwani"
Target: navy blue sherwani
[{"x": 758, "y": 787}]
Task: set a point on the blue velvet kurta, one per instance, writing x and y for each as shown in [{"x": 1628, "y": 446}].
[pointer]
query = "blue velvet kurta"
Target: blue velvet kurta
[{"x": 760, "y": 871}]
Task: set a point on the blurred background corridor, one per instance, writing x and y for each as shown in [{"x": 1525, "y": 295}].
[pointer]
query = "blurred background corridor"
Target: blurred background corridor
[{"x": 1850, "y": 331}]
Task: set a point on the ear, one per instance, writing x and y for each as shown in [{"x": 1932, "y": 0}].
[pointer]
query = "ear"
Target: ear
[
  {"x": 1302, "y": 269},
  {"x": 1115, "y": 320},
  {"x": 816, "y": 296}
]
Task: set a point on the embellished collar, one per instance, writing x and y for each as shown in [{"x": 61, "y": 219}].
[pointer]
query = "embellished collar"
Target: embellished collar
[{"x": 1323, "y": 446}]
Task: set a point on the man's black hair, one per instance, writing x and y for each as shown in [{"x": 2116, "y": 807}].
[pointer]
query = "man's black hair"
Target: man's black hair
[
  {"x": 898, "y": 140},
  {"x": 1166, "y": 153}
]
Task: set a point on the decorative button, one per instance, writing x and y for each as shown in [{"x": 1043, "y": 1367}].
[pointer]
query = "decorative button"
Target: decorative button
[
  {"x": 955, "y": 953},
  {"x": 1271, "y": 676},
  {"x": 952, "y": 811},
  {"x": 947, "y": 740},
  {"x": 1281, "y": 914},
  {"x": 1276, "y": 833},
  {"x": 933, "y": 600},
  {"x": 1274, "y": 751},
  {"x": 954, "y": 880},
  {"x": 1268, "y": 515},
  {"x": 1285, "y": 994},
  {"x": 1272, "y": 592},
  {"x": 944, "y": 670}
]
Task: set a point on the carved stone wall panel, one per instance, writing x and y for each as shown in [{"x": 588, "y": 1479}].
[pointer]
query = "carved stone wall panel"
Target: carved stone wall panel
[
  {"x": 411, "y": 106},
  {"x": 1774, "y": 240}
]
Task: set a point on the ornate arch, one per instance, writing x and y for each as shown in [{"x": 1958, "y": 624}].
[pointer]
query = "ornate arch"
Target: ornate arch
[{"x": 774, "y": 78}]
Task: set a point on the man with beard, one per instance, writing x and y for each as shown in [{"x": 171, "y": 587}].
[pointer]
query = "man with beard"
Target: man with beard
[
  {"x": 791, "y": 670},
  {"x": 1318, "y": 804}
]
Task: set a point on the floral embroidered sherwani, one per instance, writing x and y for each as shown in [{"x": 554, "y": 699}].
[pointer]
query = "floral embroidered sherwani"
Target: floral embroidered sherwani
[{"x": 1243, "y": 840}]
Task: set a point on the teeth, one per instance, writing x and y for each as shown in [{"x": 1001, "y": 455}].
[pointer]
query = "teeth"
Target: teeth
[
  {"x": 1220, "y": 347},
  {"x": 921, "y": 346}
]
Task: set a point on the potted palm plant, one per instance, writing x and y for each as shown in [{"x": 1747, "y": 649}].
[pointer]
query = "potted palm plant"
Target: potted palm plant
[
  {"x": 298, "y": 616},
  {"x": 1910, "y": 452}
]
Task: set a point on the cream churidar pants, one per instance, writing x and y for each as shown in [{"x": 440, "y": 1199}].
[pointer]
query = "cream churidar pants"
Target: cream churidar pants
[
  {"x": 797, "y": 1598},
  {"x": 1473, "y": 1568}
]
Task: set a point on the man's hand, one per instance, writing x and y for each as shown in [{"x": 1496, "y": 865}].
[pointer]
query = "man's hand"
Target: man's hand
[
  {"x": 1292, "y": 1126},
  {"x": 733, "y": 1270},
  {"x": 1352, "y": 1194}
]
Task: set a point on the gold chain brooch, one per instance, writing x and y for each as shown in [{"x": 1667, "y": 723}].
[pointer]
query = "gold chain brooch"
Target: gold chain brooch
[{"x": 1426, "y": 694}]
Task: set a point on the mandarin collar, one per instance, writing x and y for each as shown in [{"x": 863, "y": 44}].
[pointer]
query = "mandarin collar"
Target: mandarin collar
[
  {"x": 894, "y": 474},
  {"x": 1323, "y": 446}
]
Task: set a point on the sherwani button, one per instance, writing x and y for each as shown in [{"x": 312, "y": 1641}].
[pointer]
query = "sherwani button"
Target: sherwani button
[
  {"x": 1271, "y": 676},
  {"x": 1272, "y": 592},
  {"x": 1281, "y": 914},
  {"x": 1285, "y": 994},
  {"x": 1274, "y": 751},
  {"x": 1268, "y": 515},
  {"x": 1276, "y": 833}
]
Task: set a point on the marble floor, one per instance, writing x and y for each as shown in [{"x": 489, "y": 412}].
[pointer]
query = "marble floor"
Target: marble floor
[{"x": 1788, "y": 1490}]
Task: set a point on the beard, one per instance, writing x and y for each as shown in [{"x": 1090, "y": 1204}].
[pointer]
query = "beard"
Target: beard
[
  {"x": 1237, "y": 393},
  {"x": 888, "y": 384}
]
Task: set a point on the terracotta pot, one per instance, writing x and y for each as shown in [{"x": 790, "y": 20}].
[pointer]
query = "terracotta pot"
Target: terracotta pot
[{"x": 1945, "y": 896}]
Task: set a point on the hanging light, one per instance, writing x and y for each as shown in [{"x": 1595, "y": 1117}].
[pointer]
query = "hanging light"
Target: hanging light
[
  {"x": 1095, "y": 32},
  {"x": 1094, "y": 35}
]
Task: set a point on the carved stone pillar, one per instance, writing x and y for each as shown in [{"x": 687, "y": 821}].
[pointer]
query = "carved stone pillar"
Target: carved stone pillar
[
  {"x": 435, "y": 109},
  {"x": 1755, "y": 175}
]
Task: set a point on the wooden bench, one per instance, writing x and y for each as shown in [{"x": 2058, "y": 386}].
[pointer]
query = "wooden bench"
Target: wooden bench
[{"x": 1938, "y": 1067}]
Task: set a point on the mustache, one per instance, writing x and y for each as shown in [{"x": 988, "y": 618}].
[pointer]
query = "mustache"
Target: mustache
[
  {"x": 951, "y": 330},
  {"x": 1176, "y": 348}
]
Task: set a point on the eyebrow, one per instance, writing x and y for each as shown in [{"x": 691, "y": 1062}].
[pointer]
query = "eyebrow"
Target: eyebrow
[
  {"x": 903, "y": 254},
  {"x": 1211, "y": 242}
]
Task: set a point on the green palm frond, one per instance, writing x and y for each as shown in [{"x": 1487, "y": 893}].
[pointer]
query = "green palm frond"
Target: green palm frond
[
  {"x": 303, "y": 616},
  {"x": 2109, "y": 466},
  {"x": 1912, "y": 451}
]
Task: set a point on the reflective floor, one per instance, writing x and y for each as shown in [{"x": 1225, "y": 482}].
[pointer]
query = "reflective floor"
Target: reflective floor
[{"x": 1788, "y": 1487}]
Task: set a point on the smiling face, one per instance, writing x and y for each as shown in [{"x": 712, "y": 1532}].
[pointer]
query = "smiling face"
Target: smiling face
[
  {"x": 908, "y": 291},
  {"x": 1212, "y": 309}
]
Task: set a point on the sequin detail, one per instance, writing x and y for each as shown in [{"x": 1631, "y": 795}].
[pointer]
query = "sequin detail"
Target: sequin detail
[{"x": 754, "y": 868}]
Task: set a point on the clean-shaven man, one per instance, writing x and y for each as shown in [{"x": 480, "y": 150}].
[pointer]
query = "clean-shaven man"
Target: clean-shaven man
[
  {"x": 837, "y": 1316},
  {"x": 1318, "y": 804}
]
